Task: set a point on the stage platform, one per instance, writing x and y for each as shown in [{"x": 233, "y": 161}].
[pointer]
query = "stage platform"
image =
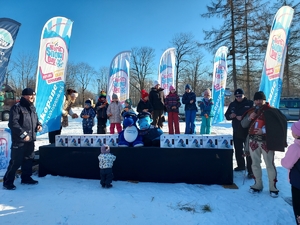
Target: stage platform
[{"x": 143, "y": 164}]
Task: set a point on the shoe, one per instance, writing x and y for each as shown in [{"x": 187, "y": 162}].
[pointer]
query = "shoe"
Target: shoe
[
  {"x": 254, "y": 190},
  {"x": 103, "y": 185},
  {"x": 109, "y": 186},
  {"x": 250, "y": 175},
  {"x": 274, "y": 194},
  {"x": 29, "y": 181},
  {"x": 239, "y": 168},
  {"x": 9, "y": 186}
]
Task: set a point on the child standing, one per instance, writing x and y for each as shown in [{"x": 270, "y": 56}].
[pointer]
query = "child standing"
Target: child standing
[
  {"x": 291, "y": 161},
  {"x": 190, "y": 108},
  {"x": 206, "y": 112},
  {"x": 172, "y": 103},
  {"x": 127, "y": 107},
  {"x": 101, "y": 110},
  {"x": 144, "y": 104},
  {"x": 88, "y": 114},
  {"x": 114, "y": 111},
  {"x": 106, "y": 160}
]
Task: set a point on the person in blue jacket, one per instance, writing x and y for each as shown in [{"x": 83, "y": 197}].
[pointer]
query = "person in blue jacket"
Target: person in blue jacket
[
  {"x": 206, "y": 112},
  {"x": 190, "y": 108}
]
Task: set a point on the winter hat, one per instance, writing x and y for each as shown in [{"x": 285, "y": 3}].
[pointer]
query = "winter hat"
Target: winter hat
[
  {"x": 144, "y": 94},
  {"x": 156, "y": 83},
  {"x": 128, "y": 101},
  {"x": 188, "y": 86},
  {"x": 88, "y": 102},
  {"x": 171, "y": 88},
  {"x": 102, "y": 94},
  {"x": 296, "y": 128},
  {"x": 239, "y": 91},
  {"x": 28, "y": 91},
  {"x": 259, "y": 95},
  {"x": 207, "y": 91},
  {"x": 105, "y": 149},
  {"x": 114, "y": 96}
]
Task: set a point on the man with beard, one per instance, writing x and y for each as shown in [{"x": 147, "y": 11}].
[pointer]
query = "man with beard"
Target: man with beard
[
  {"x": 24, "y": 124},
  {"x": 157, "y": 100},
  {"x": 267, "y": 131},
  {"x": 69, "y": 101},
  {"x": 235, "y": 111}
]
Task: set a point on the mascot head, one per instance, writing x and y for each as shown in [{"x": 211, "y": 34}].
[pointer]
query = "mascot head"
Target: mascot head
[
  {"x": 144, "y": 121},
  {"x": 130, "y": 119}
]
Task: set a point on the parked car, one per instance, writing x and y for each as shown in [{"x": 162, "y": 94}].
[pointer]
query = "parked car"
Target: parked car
[
  {"x": 181, "y": 109},
  {"x": 7, "y": 100},
  {"x": 290, "y": 107}
]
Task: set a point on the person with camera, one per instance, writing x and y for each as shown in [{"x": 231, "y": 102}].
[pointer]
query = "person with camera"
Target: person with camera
[
  {"x": 234, "y": 112},
  {"x": 24, "y": 124}
]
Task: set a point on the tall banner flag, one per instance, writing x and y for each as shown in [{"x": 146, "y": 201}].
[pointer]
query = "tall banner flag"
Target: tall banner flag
[
  {"x": 272, "y": 74},
  {"x": 219, "y": 84},
  {"x": 51, "y": 73},
  {"x": 118, "y": 77},
  {"x": 8, "y": 33},
  {"x": 166, "y": 70}
]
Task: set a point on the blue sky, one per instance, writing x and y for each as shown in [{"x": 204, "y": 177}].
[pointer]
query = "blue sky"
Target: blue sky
[{"x": 103, "y": 28}]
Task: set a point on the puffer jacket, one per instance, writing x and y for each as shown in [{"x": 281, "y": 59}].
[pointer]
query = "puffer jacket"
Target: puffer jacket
[
  {"x": 101, "y": 112},
  {"x": 206, "y": 107},
  {"x": 157, "y": 98},
  {"x": 186, "y": 98},
  {"x": 115, "y": 108},
  {"x": 171, "y": 100},
  {"x": 23, "y": 121}
]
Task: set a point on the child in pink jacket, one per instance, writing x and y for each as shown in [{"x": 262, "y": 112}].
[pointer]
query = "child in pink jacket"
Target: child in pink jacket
[{"x": 291, "y": 161}]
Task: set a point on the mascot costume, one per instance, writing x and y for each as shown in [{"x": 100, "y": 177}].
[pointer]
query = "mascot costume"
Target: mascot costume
[
  {"x": 129, "y": 136},
  {"x": 151, "y": 135}
]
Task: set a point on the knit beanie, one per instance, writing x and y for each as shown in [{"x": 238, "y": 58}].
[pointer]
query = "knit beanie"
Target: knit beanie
[
  {"x": 171, "y": 88},
  {"x": 105, "y": 149},
  {"x": 128, "y": 101},
  {"x": 114, "y": 96},
  {"x": 155, "y": 83},
  {"x": 88, "y": 102},
  {"x": 259, "y": 95},
  {"x": 207, "y": 91},
  {"x": 296, "y": 128},
  {"x": 144, "y": 94},
  {"x": 188, "y": 86},
  {"x": 102, "y": 94}
]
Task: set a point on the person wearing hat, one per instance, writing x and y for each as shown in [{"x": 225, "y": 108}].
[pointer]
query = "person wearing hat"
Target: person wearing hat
[
  {"x": 234, "y": 112},
  {"x": 267, "y": 133},
  {"x": 172, "y": 103},
  {"x": 189, "y": 100},
  {"x": 106, "y": 160},
  {"x": 24, "y": 124},
  {"x": 69, "y": 100},
  {"x": 127, "y": 106},
  {"x": 291, "y": 161},
  {"x": 157, "y": 100},
  {"x": 87, "y": 114},
  {"x": 114, "y": 111},
  {"x": 101, "y": 110},
  {"x": 144, "y": 104},
  {"x": 206, "y": 112}
]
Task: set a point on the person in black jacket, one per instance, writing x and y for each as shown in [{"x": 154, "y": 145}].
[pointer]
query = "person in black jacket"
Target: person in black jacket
[
  {"x": 101, "y": 108},
  {"x": 24, "y": 124},
  {"x": 157, "y": 100},
  {"x": 234, "y": 112},
  {"x": 190, "y": 108},
  {"x": 144, "y": 104}
]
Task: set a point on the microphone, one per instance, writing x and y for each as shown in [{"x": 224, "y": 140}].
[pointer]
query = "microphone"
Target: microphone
[{"x": 256, "y": 109}]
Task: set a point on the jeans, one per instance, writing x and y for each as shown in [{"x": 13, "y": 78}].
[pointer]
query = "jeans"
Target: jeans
[{"x": 190, "y": 117}]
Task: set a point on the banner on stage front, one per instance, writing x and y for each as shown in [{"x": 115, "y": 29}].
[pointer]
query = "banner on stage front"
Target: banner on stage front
[
  {"x": 272, "y": 74},
  {"x": 8, "y": 33},
  {"x": 51, "y": 73},
  {"x": 219, "y": 84},
  {"x": 166, "y": 70},
  {"x": 118, "y": 78}
]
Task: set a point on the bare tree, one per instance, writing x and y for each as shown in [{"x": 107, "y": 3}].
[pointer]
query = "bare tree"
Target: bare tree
[
  {"x": 185, "y": 46},
  {"x": 141, "y": 66},
  {"x": 102, "y": 79},
  {"x": 71, "y": 75}
]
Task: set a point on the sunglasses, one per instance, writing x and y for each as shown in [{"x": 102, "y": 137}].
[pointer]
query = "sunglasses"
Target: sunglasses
[{"x": 239, "y": 96}]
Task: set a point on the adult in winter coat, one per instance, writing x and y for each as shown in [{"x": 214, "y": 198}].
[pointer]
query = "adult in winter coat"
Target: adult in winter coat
[
  {"x": 101, "y": 110},
  {"x": 24, "y": 124},
  {"x": 235, "y": 111},
  {"x": 69, "y": 101},
  {"x": 87, "y": 114},
  {"x": 291, "y": 161},
  {"x": 172, "y": 103},
  {"x": 144, "y": 104},
  {"x": 157, "y": 100},
  {"x": 189, "y": 100},
  {"x": 206, "y": 112},
  {"x": 267, "y": 130}
]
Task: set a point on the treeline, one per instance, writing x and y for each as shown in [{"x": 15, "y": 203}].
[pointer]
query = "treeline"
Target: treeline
[{"x": 245, "y": 29}]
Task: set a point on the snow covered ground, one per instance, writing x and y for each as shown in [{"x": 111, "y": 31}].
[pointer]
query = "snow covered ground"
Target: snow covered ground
[{"x": 70, "y": 201}]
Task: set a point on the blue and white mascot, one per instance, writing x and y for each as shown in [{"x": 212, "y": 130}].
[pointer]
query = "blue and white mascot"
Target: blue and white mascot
[
  {"x": 129, "y": 136},
  {"x": 151, "y": 135}
]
